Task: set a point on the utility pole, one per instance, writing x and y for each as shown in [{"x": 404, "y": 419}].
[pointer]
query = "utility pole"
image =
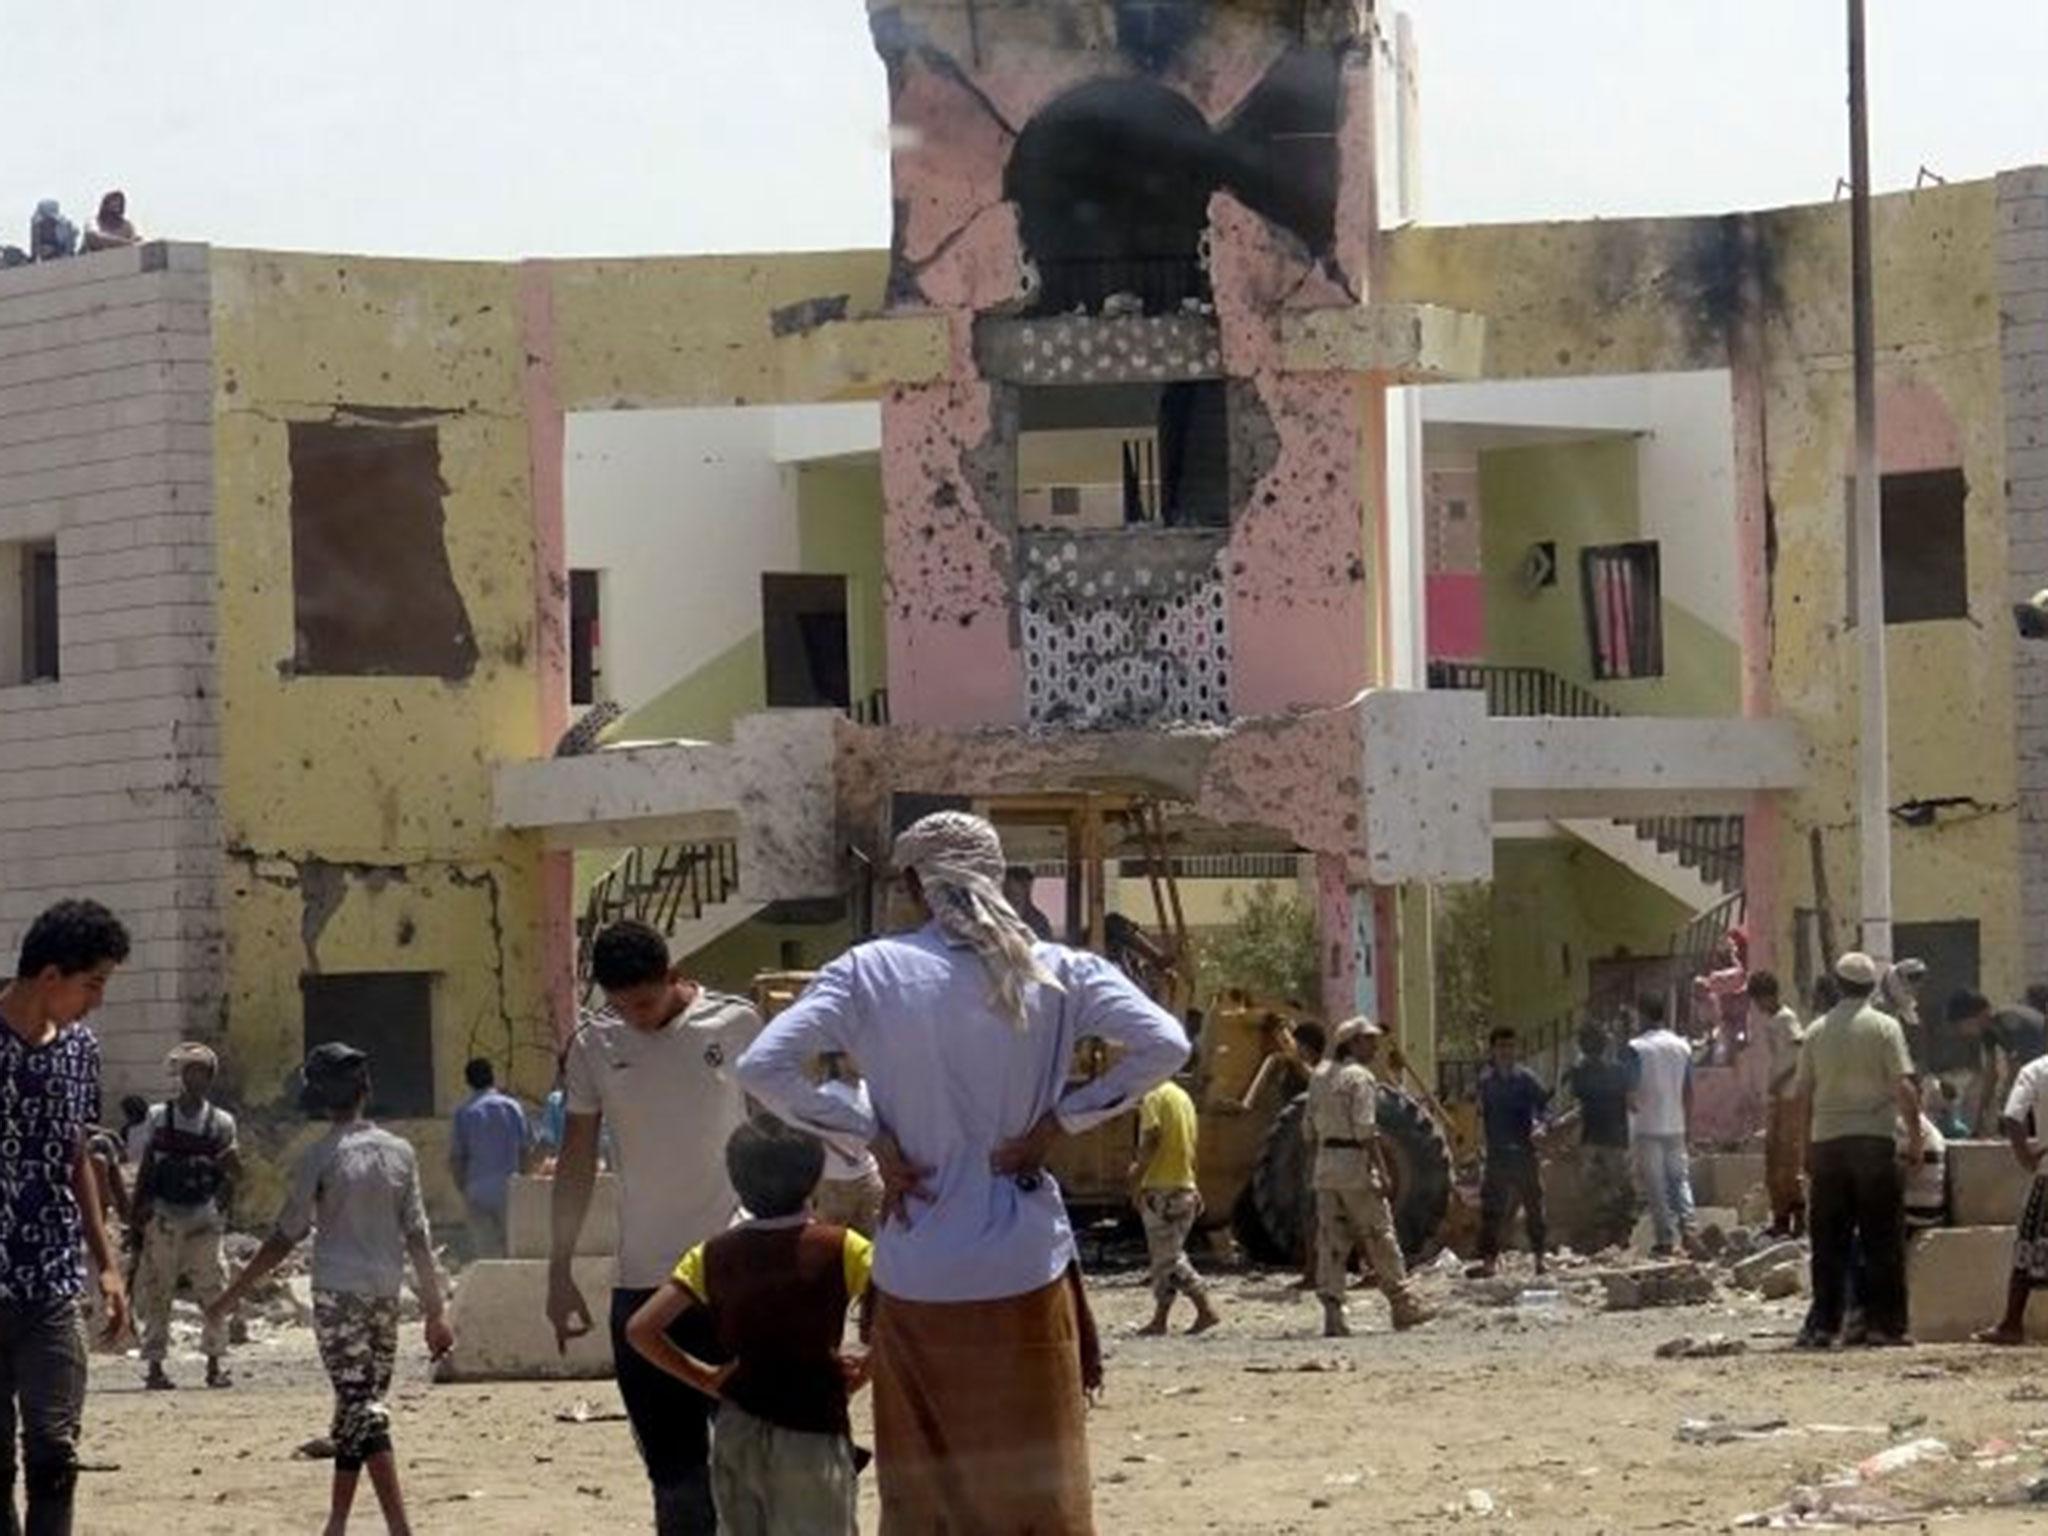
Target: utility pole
[{"x": 1874, "y": 765}]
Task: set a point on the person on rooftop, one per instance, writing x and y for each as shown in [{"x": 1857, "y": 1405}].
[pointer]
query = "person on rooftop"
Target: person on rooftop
[
  {"x": 51, "y": 236},
  {"x": 110, "y": 227}
]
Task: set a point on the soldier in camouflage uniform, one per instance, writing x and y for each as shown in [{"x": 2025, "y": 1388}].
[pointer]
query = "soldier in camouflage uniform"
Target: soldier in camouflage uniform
[{"x": 1351, "y": 1179}]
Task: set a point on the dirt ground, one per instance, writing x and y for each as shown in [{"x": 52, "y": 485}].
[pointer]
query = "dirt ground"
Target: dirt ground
[{"x": 1554, "y": 1419}]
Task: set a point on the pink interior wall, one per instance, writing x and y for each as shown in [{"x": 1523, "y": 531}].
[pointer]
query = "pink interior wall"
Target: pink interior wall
[{"x": 1456, "y": 616}]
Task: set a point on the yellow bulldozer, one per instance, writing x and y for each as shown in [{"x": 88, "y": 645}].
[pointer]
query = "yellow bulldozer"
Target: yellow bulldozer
[{"x": 1248, "y": 1073}]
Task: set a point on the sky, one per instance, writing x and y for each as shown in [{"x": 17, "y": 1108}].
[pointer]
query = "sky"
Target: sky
[{"x": 499, "y": 128}]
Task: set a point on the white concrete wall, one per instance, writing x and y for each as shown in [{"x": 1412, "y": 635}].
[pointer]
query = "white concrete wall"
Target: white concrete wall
[
  {"x": 109, "y": 777},
  {"x": 682, "y": 510},
  {"x": 1686, "y": 426}
]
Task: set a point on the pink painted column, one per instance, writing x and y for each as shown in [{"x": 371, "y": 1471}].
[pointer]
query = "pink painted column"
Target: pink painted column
[
  {"x": 546, "y": 431},
  {"x": 1334, "y": 933}
]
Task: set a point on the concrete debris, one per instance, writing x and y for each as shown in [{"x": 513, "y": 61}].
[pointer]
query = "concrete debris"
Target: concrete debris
[
  {"x": 1710, "y": 1242},
  {"x": 1748, "y": 1272},
  {"x": 583, "y": 1411},
  {"x": 1899, "y": 1457},
  {"x": 1830, "y": 1509},
  {"x": 1786, "y": 1280},
  {"x": 1657, "y": 1285},
  {"x": 1715, "y": 1346},
  {"x": 1720, "y": 1431}
]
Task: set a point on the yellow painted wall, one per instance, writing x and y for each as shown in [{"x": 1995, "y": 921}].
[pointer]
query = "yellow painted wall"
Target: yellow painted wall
[
  {"x": 373, "y": 795},
  {"x": 1951, "y": 681},
  {"x": 1629, "y": 296}
]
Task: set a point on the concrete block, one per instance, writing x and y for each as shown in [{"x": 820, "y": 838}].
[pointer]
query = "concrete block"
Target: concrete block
[
  {"x": 502, "y": 1331},
  {"x": 1987, "y": 1187},
  {"x": 1956, "y": 1281},
  {"x": 1723, "y": 1178},
  {"x": 528, "y": 1223},
  {"x": 1657, "y": 1285}
]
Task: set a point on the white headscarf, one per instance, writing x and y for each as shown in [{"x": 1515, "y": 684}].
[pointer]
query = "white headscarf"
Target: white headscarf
[{"x": 959, "y": 864}]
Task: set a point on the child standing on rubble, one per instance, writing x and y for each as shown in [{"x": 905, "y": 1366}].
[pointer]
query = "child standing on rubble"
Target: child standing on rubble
[
  {"x": 777, "y": 1288},
  {"x": 357, "y": 1189}
]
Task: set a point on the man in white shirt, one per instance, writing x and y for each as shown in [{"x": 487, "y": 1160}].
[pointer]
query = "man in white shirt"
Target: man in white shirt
[
  {"x": 2024, "y": 1118},
  {"x": 657, "y": 1071},
  {"x": 1660, "y": 1108}
]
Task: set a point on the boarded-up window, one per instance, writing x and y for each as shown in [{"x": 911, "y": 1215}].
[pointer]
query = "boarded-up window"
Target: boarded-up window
[
  {"x": 1926, "y": 563},
  {"x": 372, "y": 589},
  {"x": 389, "y": 1014},
  {"x": 586, "y": 637},
  {"x": 1624, "y": 610},
  {"x": 804, "y": 642}
]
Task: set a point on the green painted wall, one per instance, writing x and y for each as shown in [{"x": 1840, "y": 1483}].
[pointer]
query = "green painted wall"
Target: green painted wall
[
  {"x": 703, "y": 706},
  {"x": 1577, "y": 495},
  {"x": 1557, "y": 905},
  {"x": 839, "y": 531}
]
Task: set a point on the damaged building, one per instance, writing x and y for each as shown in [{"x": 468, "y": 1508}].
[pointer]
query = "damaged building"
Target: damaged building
[{"x": 1174, "y": 459}]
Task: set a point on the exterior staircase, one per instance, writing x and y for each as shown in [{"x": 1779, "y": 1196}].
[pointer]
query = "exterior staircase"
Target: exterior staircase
[
  {"x": 688, "y": 891},
  {"x": 1696, "y": 860}
]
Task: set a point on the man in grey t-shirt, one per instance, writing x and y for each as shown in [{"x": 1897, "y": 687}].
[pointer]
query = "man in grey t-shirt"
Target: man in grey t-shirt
[{"x": 657, "y": 1071}]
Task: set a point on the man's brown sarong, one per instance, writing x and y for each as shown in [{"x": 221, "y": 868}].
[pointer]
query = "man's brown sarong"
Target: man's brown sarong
[
  {"x": 980, "y": 1416},
  {"x": 1784, "y": 1161}
]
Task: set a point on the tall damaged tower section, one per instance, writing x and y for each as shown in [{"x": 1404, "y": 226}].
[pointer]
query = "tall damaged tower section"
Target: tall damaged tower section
[{"x": 1150, "y": 491}]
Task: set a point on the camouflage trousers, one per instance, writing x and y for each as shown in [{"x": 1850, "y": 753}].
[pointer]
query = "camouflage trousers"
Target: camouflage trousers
[
  {"x": 358, "y": 1339},
  {"x": 1170, "y": 1216}
]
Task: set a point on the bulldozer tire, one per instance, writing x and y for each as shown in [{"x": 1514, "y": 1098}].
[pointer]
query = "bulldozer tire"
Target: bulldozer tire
[
  {"x": 1421, "y": 1160},
  {"x": 1274, "y": 1218},
  {"x": 1278, "y": 1194}
]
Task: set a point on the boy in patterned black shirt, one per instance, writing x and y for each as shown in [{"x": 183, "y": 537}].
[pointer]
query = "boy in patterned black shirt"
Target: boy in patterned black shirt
[{"x": 49, "y": 1203}]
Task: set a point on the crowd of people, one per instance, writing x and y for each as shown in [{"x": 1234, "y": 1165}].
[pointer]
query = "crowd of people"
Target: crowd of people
[
  {"x": 880, "y": 1150},
  {"x": 54, "y": 237},
  {"x": 1855, "y": 1134}
]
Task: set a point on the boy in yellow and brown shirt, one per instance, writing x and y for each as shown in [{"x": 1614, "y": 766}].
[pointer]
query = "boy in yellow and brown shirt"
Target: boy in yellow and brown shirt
[
  {"x": 777, "y": 1288},
  {"x": 1170, "y": 1204}
]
